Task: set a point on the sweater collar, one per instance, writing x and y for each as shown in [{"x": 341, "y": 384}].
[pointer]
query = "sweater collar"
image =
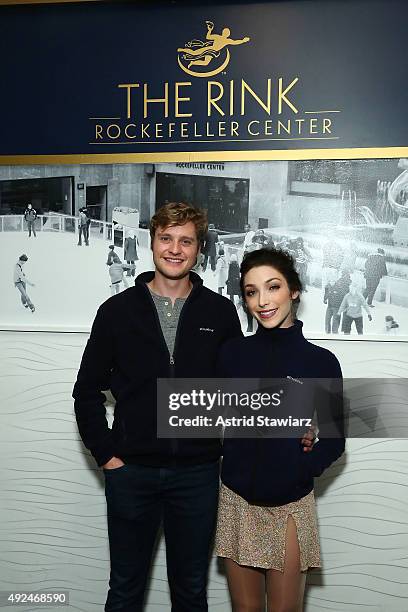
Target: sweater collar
[{"x": 294, "y": 332}]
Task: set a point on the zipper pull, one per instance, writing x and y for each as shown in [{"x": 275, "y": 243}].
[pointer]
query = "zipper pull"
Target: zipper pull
[{"x": 171, "y": 360}]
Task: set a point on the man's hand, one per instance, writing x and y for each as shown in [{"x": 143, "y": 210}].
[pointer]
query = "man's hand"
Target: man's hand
[
  {"x": 113, "y": 463},
  {"x": 308, "y": 440},
  {"x": 370, "y": 318}
]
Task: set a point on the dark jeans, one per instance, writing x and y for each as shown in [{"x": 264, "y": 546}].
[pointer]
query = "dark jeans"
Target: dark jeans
[
  {"x": 332, "y": 320},
  {"x": 139, "y": 499},
  {"x": 347, "y": 321}
]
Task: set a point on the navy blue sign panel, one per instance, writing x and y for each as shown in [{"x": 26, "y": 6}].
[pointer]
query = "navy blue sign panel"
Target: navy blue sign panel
[{"x": 97, "y": 78}]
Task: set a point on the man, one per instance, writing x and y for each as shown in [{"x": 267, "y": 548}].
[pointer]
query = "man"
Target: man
[
  {"x": 210, "y": 247},
  {"x": 83, "y": 227},
  {"x": 30, "y": 215},
  {"x": 21, "y": 282},
  {"x": 168, "y": 324},
  {"x": 375, "y": 269}
]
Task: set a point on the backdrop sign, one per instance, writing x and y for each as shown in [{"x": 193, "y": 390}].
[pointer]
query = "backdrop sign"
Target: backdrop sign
[{"x": 98, "y": 78}]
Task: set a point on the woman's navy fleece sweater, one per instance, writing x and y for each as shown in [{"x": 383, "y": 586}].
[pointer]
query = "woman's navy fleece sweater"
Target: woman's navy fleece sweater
[{"x": 276, "y": 471}]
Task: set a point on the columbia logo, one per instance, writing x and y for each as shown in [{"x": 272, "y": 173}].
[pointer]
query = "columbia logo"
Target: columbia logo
[
  {"x": 296, "y": 380},
  {"x": 206, "y": 329}
]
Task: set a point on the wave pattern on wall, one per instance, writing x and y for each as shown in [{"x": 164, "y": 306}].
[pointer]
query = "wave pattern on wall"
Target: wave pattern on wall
[{"x": 52, "y": 508}]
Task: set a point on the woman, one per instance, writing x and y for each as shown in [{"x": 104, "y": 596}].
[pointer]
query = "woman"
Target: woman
[
  {"x": 130, "y": 252},
  {"x": 352, "y": 309},
  {"x": 267, "y": 529}
]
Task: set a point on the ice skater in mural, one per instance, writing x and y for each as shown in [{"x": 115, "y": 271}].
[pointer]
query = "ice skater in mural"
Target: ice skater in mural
[
  {"x": 352, "y": 310},
  {"x": 116, "y": 273},
  {"x": 202, "y": 53},
  {"x": 334, "y": 293},
  {"x": 83, "y": 227},
  {"x": 21, "y": 282},
  {"x": 391, "y": 325},
  {"x": 233, "y": 287},
  {"x": 130, "y": 253},
  {"x": 221, "y": 268},
  {"x": 249, "y": 234},
  {"x": 302, "y": 259},
  {"x": 30, "y": 215},
  {"x": 112, "y": 255},
  {"x": 210, "y": 247}
]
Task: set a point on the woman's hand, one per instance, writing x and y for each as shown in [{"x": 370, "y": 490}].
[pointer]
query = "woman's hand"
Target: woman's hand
[{"x": 308, "y": 440}]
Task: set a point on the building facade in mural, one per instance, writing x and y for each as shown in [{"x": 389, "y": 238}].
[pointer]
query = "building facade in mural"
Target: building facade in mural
[{"x": 344, "y": 222}]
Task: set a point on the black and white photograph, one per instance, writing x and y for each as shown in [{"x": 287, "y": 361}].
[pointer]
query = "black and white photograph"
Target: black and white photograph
[{"x": 72, "y": 236}]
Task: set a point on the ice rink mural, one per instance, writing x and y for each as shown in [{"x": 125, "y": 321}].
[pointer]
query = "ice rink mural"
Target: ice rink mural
[{"x": 71, "y": 236}]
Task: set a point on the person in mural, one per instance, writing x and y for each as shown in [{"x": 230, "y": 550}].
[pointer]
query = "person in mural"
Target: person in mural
[
  {"x": 221, "y": 268},
  {"x": 267, "y": 528},
  {"x": 112, "y": 255},
  {"x": 116, "y": 273},
  {"x": 375, "y": 269},
  {"x": 302, "y": 258},
  {"x": 210, "y": 247},
  {"x": 352, "y": 309},
  {"x": 260, "y": 238},
  {"x": 30, "y": 215},
  {"x": 130, "y": 252},
  {"x": 138, "y": 336},
  {"x": 83, "y": 227},
  {"x": 333, "y": 297},
  {"x": 21, "y": 282},
  {"x": 233, "y": 278},
  {"x": 391, "y": 325},
  {"x": 249, "y": 235},
  {"x": 201, "y": 54}
]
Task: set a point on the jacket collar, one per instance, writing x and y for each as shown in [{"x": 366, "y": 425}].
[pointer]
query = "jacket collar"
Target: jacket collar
[
  {"x": 283, "y": 334},
  {"x": 145, "y": 277}
]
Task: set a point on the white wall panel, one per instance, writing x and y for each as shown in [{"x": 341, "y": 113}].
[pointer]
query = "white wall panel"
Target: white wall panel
[{"x": 52, "y": 508}]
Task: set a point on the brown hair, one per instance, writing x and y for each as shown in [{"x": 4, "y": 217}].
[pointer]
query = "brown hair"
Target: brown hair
[{"x": 179, "y": 213}]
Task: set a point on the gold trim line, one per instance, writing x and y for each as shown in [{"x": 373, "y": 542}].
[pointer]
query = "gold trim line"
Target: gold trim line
[{"x": 197, "y": 156}]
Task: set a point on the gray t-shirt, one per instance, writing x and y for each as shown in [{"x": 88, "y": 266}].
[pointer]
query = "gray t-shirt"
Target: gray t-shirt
[{"x": 168, "y": 316}]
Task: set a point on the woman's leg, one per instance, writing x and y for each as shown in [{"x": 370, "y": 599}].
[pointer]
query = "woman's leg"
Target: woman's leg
[
  {"x": 285, "y": 589},
  {"x": 246, "y": 586}
]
